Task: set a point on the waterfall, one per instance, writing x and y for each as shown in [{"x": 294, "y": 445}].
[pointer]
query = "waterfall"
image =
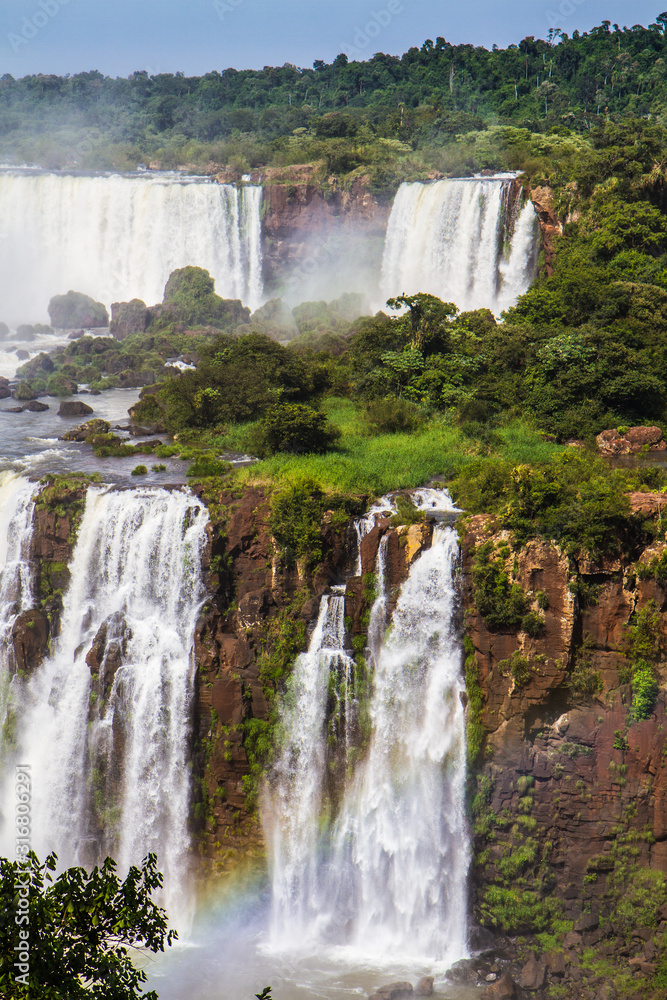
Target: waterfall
[
  {"x": 119, "y": 237},
  {"x": 16, "y": 513},
  {"x": 387, "y": 876},
  {"x": 105, "y": 722},
  {"x": 293, "y": 819},
  {"x": 450, "y": 239}
]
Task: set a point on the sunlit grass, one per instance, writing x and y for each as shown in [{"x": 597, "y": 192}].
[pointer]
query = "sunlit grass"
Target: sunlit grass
[{"x": 376, "y": 463}]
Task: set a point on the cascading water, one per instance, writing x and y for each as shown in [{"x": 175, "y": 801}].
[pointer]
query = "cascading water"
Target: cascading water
[
  {"x": 119, "y": 237},
  {"x": 104, "y": 723},
  {"x": 293, "y": 817},
  {"x": 16, "y": 513},
  {"x": 450, "y": 238},
  {"x": 386, "y": 878}
]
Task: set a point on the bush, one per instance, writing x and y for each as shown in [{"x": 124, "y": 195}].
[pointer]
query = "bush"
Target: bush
[
  {"x": 502, "y": 604},
  {"x": 393, "y": 416},
  {"x": 406, "y": 512},
  {"x": 297, "y": 429},
  {"x": 296, "y": 517},
  {"x": 644, "y": 690},
  {"x": 207, "y": 464},
  {"x": 139, "y": 470},
  {"x": 532, "y": 624}
]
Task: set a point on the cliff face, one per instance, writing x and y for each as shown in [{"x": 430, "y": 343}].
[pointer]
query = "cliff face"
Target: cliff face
[
  {"x": 257, "y": 622},
  {"x": 308, "y": 227},
  {"x": 570, "y": 810}
]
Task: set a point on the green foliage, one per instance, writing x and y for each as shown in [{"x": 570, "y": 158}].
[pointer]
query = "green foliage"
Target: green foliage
[
  {"x": 206, "y": 464},
  {"x": 516, "y": 910},
  {"x": 296, "y": 519},
  {"x": 189, "y": 297},
  {"x": 295, "y": 428},
  {"x": 81, "y": 926},
  {"x": 502, "y": 604},
  {"x": 393, "y": 416},
  {"x": 655, "y": 569},
  {"x": 406, "y": 512},
  {"x": 533, "y": 624},
  {"x": 583, "y": 681},
  {"x": 139, "y": 470},
  {"x": 475, "y": 732},
  {"x": 519, "y": 667},
  {"x": 644, "y": 690}
]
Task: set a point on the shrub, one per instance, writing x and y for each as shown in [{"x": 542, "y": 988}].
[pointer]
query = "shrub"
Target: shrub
[
  {"x": 502, "y": 604},
  {"x": 519, "y": 668},
  {"x": 584, "y": 682},
  {"x": 542, "y": 599},
  {"x": 297, "y": 429},
  {"x": 139, "y": 470},
  {"x": 532, "y": 624},
  {"x": 406, "y": 512},
  {"x": 207, "y": 464},
  {"x": 296, "y": 517},
  {"x": 644, "y": 690},
  {"x": 393, "y": 416}
]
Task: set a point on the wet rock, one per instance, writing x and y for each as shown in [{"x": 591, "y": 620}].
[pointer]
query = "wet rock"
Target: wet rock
[
  {"x": 5, "y": 392},
  {"x": 22, "y": 355},
  {"x": 557, "y": 963},
  {"x": 463, "y": 971},
  {"x": 424, "y": 987},
  {"x": 13, "y": 409},
  {"x": 108, "y": 650},
  {"x": 74, "y": 408},
  {"x": 80, "y": 433},
  {"x": 30, "y": 636},
  {"x": 393, "y": 991},
  {"x": 76, "y": 309},
  {"x": 504, "y": 989},
  {"x": 128, "y": 318},
  {"x": 533, "y": 974},
  {"x": 36, "y": 407}
]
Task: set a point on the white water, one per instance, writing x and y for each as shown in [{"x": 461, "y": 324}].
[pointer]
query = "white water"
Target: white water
[
  {"x": 113, "y": 778},
  {"x": 292, "y": 817},
  {"x": 448, "y": 238},
  {"x": 118, "y": 237},
  {"x": 16, "y": 512},
  {"x": 387, "y": 880}
]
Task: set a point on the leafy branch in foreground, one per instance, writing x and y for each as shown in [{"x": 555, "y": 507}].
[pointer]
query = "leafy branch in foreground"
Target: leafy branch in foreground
[{"x": 79, "y": 929}]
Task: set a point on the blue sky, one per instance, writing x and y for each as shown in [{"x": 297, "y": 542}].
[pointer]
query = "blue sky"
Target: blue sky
[{"x": 194, "y": 36}]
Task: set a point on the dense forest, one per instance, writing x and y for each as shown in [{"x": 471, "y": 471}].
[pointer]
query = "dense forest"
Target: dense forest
[{"x": 350, "y": 113}]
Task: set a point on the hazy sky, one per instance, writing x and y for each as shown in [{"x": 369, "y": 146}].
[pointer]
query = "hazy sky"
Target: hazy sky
[{"x": 161, "y": 36}]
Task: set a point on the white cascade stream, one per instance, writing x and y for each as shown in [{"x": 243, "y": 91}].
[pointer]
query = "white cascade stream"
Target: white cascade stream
[
  {"x": 16, "y": 513},
  {"x": 108, "y": 750},
  {"x": 292, "y": 818},
  {"x": 449, "y": 238},
  {"x": 117, "y": 237},
  {"x": 386, "y": 880}
]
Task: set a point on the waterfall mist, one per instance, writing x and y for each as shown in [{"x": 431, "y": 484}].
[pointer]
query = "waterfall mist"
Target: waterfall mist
[{"x": 119, "y": 237}]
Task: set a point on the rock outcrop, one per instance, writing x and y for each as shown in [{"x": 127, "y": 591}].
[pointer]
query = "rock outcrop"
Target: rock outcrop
[
  {"x": 67, "y": 312},
  {"x": 128, "y": 318},
  {"x": 550, "y": 225},
  {"x": 632, "y": 440}
]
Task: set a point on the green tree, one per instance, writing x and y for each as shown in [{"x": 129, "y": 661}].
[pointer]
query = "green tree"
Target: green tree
[{"x": 75, "y": 930}]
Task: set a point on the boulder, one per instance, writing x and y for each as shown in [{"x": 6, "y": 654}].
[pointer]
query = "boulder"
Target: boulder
[
  {"x": 128, "y": 318},
  {"x": 13, "y": 409},
  {"x": 30, "y": 636},
  {"x": 503, "y": 989},
  {"x": 77, "y": 310},
  {"x": 533, "y": 974},
  {"x": 611, "y": 442},
  {"x": 36, "y": 406},
  {"x": 5, "y": 392},
  {"x": 424, "y": 987},
  {"x": 80, "y": 433},
  {"x": 393, "y": 991},
  {"x": 74, "y": 408},
  {"x": 4, "y": 331},
  {"x": 587, "y": 922}
]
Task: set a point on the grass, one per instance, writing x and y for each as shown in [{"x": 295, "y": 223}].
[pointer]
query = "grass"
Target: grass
[{"x": 375, "y": 464}]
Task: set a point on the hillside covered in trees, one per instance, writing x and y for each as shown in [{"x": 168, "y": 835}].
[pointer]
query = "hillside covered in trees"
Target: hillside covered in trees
[{"x": 349, "y": 113}]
